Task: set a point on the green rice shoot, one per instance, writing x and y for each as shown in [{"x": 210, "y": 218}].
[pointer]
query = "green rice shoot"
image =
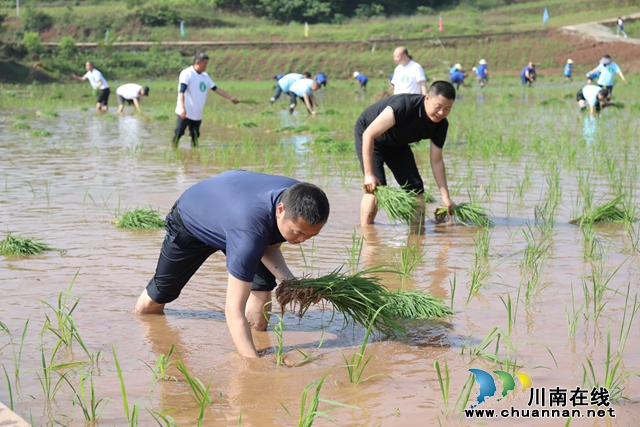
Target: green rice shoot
[
  {"x": 40, "y": 133},
  {"x": 399, "y": 204},
  {"x": 428, "y": 198},
  {"x": 141, "y": 218},
  {"x": 17, "y": 245},
  {"x": 358, "y": 296},
  {"x": 609, "y": 212},
  {"x": 247, "y": 124},
  {"x": 20, "y": 126},
  {"x": 465, "y": 213}
]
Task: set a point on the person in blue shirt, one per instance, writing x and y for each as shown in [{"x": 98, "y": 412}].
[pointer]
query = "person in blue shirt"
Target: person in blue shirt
[
  {"x": 303, "y": 89},
  {"x": 457, "y": 77},
  {"x": 321, "y": 78},
  {"x": 592, "y": 76},
  {"x": 528, "y": 74},
  {"x": 482, "y": 73},
  {"x": 361, "y": 78},
  {"x": 247, "y": 216},
  {"x": 284, "y": 82},
  {"x": 592, "y": 96},
  {"x": 608, "y": 69},
  {"x": 568, "y": 70}
]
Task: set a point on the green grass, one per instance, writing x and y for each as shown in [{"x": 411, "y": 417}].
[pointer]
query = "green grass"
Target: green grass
[
  {"x": 20, "y": 126},
  {"x": 17, "y": 245},
  {"x": 142, "y": 218},
  {"x": 39, "y": 133}
]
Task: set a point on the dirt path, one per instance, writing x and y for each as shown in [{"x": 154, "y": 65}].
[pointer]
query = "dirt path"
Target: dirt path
[{"x": 602, "y": 32}]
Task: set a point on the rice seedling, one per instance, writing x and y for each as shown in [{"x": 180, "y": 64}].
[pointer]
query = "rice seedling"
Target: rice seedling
[
  {"x": 452, "y": 287},
  {"x": 483, "y": 242},
  {"x": 600, "y": 279},
  {"x": 132, "y": 416},
  {"x": 17, "y": 245},
  {"x": 444, "y": 385},
  {"x": 278, "y": 329},
  {"x": 309, "y": 411},
  {"x": 163, "y": 362},
  {"x": 91, "y": 409},
  {"x": 167, "y": 421},
  {"x": 401, "y": 205},
  {"x": 535, "y": 256},
  {"x": 20, "y": 126},
  {"x": 357, "y": 297},
  {"x": 592, "y": 245},
  {"x": 357, "y": 364},
  {"x": 573, "y": 317},
  {"x": 50, "y": 387},
  {"x": 141, "y": 218},
  {"x": 200, "y": 393},
  {"x": 39, "y": 133},
  {"x": 478, "y": 274},
  {"x": 354, "y": 253},
  {"x": 9, "y": 388},
  {"x": 614, "y": 374},
  {"x": 247, "y": 124},
  {"x": 465, "y": 213},
  {"x": 17, "y": 358},
  {"x": 411, "y": 255},
  {"x": 464, "y": 395},
  {"x": 608, "y": 212}
]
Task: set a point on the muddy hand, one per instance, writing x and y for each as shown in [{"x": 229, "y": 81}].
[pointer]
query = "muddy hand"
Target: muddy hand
[{"x": 370, "y": 183}]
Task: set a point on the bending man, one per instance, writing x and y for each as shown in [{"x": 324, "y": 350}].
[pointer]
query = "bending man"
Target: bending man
[
  {"x": 247, "y": 216},
  {"x": 383, "y": 133},
  {"x": 131, "y": 94}
]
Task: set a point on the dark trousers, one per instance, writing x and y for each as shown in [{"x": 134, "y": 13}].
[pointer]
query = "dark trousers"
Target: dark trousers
[
  {"x": 181, "y": 126},
  {"x": 181, "y": 256},
  {"x": 277, "y": 93}
]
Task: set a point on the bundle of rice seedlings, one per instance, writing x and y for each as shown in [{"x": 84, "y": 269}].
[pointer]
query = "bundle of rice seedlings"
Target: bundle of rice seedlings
[
  {"x": 465, "y": 213},
  {"x": 247, "y": 124},
  {"x": 20, "y": 126},
  {"x": 400, "y": 205},
  {"x": 358, "y": 298},
  {"x": 16, "y": 245},
  {"x": 616, "y": 104},
  {"x": 609, "y": 212},
  {"x": 248, "y": 101},
  {"x": 142, "y": 218}
]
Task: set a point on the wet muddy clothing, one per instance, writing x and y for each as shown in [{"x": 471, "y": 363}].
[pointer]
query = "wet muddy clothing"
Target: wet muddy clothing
[
  {"x": 181, "y": 127},
  {"x": 392, "y": 147},
  {"x": 234, "y": 212}
]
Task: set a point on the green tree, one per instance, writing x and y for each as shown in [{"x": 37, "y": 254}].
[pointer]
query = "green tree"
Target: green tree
[
  {"x": 36, "y": 20},
  {"x": 33, "y": 44},
  {"x": 68, "y": 48}
]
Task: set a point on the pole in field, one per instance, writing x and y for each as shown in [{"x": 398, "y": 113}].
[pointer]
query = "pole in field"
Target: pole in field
[
  {"x": 18, "y": 7},
  {"x": 182, "y": 28},
  {"x": 106, "y": 35},
  {"x": 440, "y": 24},
  {"x": 306, "y": 29},
  {"x": 545, "y": 16}
]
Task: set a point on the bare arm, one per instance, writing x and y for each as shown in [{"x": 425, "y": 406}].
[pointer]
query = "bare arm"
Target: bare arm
[
  {"x": 78, "y": 78},
  {"x": 440, "y": 174},
  {"x": 274, "y": 261},
  {"x": 423, "y": 86},
  {"x": 226, "y": 95},
  {"x": 136, "y": 103},
  {"x": 238, "y": 292},
  {"x": 592, "y": 71},
  {"x": 622, "y": 77},
  {"x": 592, "y": 110},
  {"x": 183, "y": 114},
  {"x": 307, "y": 102},
  {"x": 385, "y": 121}
]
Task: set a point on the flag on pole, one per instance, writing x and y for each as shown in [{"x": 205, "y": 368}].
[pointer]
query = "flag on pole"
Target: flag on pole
[
  {"x": 545, "y": 16},
  {"x": 106, "y": 35},
  {"x": 440, "y": 24},
  {"x": 182, "y": 28},
  {"x": 306, "y": 29}
]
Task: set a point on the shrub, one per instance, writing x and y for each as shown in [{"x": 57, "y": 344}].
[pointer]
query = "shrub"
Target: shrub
[
  {"x": 158, "y": 15},
  {"x": 33, "y": 44},
  {"x": 36, "y": 20},
  {"x": 68, "y": 48},
  {"x": 425, "y": 10},
  {"x": 364, "y": 11}
]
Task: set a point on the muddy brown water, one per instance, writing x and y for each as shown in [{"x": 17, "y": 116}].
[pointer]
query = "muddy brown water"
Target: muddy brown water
[{"x": 64, "y": 190}]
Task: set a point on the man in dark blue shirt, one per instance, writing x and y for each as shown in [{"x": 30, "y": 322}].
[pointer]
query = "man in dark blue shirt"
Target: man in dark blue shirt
[
  {"x": 247, "y": 216},
  {"x": 383, "y": 133}
]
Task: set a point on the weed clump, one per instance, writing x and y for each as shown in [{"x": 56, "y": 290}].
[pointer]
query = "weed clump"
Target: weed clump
[
  {"x": 400, "y": 204},
  {"x": 247, "y": 124},
  {"x": 41, "y": 133},
  {"x": 47, "y": 113},
  {"x": 16, "y": 245},
  {"x": 358, "y": 298},
  {"x": 465, "y": 213},
  {"x": 20, "y": 126},
  {"x": 550, "y": 102},
  {"x": 160, "y": 117},
  {"x": 142, "y": 218},
  {"x": 609, "y": 212},
  {"x": 20, "y": 117}
]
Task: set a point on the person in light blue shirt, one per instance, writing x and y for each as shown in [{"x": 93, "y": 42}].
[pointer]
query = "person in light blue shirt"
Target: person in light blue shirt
[
  {"x": 303, "y": 89},
  {"x": 568, "y": 70},
  {"x": 608, "y": 69},
  {"x": 482, "y": 73},
  {"x": 285, "y": 82},
  {"x": 592, "y": 76},
  {"x": 592, "y": 96}
]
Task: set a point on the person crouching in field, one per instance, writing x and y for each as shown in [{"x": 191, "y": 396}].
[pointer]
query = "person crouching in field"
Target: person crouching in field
[
  {"x": 131, "y": 94},
  {"x": 528, "y": 74},
  {"x": 383, "y": 133},
  {"x": 458, "y": 76},
  {"x": 568, "y": 71},
  {"x": 592, "y": 96},
  {"x": 303, "y": 89},
  {"x": 482, "y": 73}
]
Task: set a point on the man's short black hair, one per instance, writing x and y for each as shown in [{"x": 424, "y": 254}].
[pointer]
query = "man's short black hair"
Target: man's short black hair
[
  {"x": 90, "y": 63},
  {"x": 442, "y": 88},
  {"x": 145, "y": 89},
  {"x": 406, "y": 52},
  {"x": 306, "y": 201},
  {"x": 306, "y": 75},
  {"x": 604, "y": 93},
  {"x": 200, "y": 56}
]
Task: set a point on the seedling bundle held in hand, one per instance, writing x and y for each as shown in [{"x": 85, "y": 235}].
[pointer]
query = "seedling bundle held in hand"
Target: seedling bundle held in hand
[
  {"x": 401, "y": 205},
  {"x": 358, "y": 298},
  {"x": 465, "y": 213}
]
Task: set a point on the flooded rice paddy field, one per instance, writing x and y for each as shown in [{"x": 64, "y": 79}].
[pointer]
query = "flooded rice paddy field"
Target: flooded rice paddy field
[{"x": 556, "y": 291}]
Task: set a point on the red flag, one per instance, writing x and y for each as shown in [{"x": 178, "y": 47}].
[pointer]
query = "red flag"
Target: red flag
[{"x": 440, "y": 24}]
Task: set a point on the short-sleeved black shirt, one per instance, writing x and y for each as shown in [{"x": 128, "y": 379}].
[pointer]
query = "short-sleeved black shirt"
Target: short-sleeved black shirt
[{"x": 412, "y": 123}]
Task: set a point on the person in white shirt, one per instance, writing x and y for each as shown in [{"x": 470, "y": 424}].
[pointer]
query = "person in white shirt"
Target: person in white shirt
[
  {"x": 97, "y": 81},
  {"x": 193, "y": 85},
  {"x": 131, "y": 93},
  {"x": 408, "y": 76}
]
